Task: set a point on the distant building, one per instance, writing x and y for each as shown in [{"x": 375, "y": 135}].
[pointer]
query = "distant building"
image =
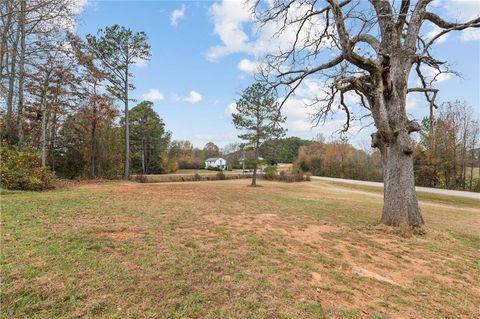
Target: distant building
[{"x": 216, "y": 162}]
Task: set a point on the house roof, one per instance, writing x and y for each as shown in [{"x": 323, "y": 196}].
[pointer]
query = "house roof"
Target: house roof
[{"x": 212, "y": 159}]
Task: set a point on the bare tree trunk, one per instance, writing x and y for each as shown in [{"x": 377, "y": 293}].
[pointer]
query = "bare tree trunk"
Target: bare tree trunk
[
  {"x": 143, "y": 156},
  {"x": 400, "y": 205},
  {"x": 254, "y": 177},
  {"x": 3, "y": 46},
  {"x": 432, "y": 145},
  {"x": 127, "y": 133},
  {"x": 21, "y": 79},
  {"x": 11, "y": 82},
  {"x": 53, "y": 137},
  {"x": 466, "y": 122},
  {"x": 400, "y": 198},
  {"x": 93, "y": 149},
  {"x": 243, "y": 162},
  {"x": 454, "y": 156},
  {"x": 474, "y": 144},
  {"x": 43, "y": 136}
]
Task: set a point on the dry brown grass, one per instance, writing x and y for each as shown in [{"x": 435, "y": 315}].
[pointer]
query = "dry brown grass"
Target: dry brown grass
[{"x": 221, "y": 249}]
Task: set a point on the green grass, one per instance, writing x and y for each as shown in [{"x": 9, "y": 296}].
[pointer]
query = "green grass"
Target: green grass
[
  {"x": 224, "y": 250},
  {"x": 437, "y": 198}
]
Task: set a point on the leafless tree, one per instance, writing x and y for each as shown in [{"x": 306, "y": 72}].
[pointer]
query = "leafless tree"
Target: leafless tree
[
  {"x": 27, "y": 29},
  {"x": 367, "y": 49}
]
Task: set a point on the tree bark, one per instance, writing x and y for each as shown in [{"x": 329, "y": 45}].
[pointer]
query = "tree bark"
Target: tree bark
[
  {"x": 127, "y": 133},
  {"x": 254, "y": 177},
  {"x": 400, "y": 199},
  {"x": 3, "y": 46},
  {"x": 52, "y": 137},
  {"x": 11, "y": 83},
  {"x": 143, "y": 156},
  {"x": 21, "y": 79},
  {"x": 43, "y": 136},
  {"x": 400, "y": 205},
  {"x": 93, "y": 148}
]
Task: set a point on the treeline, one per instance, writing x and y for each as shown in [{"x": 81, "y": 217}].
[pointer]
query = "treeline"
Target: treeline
[
  {"x": 282, "y": 150},
  {"x": 59, "y": 96},
  {"x": 339, "y": 159},
  {"x": 46, "y": 80},
  {"x": 448, "y": 155}
]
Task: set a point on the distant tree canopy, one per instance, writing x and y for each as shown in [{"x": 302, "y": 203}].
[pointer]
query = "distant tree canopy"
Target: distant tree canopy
[
  {"x": 186, "y": 155},
  {"x": 283, "y": 150},
  {"x": 72, "y": 155},
  {"x": 339, "y": 159},
  {"x": 149, "y": 140},
  {"x": 210, "y": 150},
  {"x": 448, "y": 153}
]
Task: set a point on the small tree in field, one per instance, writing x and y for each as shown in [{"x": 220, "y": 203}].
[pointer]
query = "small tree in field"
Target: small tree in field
[
  {"x": 258, "y": 115},
  {"x": 118, "y": 48}
]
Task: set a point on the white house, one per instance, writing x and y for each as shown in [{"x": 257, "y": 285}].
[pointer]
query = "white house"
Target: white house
[{"x": 216, "y": 162}]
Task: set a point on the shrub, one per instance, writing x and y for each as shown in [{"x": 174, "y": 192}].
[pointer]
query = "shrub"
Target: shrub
[
  {"x": 287, "y": 177},
  {"x": 21, "y": 170},
  {"x": 187, "y": 177},
  {"x": 213, "y": 168},
  {"x": 141, "y": 178},
  {"x": 189, "y": 164},
  {"x": 270, "y": 172}
]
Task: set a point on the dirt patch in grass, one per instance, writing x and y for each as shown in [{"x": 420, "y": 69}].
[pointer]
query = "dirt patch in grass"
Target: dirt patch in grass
[
  {"x": 122, "y": 236},
  {"x": 273, "y": 223},
  {"x": 386, "y": 252}
]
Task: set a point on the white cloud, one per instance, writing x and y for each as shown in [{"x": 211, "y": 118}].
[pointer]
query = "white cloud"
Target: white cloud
[
  {"x": 231, "y": 109},
  {"x": 434, "y": 30},
  {"x": 470, "y": 35},
  {"x": 78, "y": 6},
  {"x": 153, "y": 95},
  {"x": 431, "y": 73},
  {"x": 411, "y": 103},
  {"x": 229, "y": 18},
  {"x": 221, "y": 138},
  {"x": 311, "y": 89},
  {"x": 461, "y": 10},
  {"x": 249, "y": 66},
  {"x": 234, "y": 23},
  {"x": 193, "y": 97},
  {"x": 141, "y": 63},
  {"x": 177, "y": 15}
]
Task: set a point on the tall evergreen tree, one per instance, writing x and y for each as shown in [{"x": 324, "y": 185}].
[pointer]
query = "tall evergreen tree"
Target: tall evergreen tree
[
  {"x": 149, "y": 138},
  {"x": 258, "y": 115},
  {"x": 118, "y": 48}
]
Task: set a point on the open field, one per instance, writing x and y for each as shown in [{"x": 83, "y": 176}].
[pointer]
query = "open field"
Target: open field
[{"x": 220, "y": 249}]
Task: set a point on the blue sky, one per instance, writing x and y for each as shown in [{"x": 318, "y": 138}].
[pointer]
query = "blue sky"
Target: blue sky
[{"x": 203, "y": 55}]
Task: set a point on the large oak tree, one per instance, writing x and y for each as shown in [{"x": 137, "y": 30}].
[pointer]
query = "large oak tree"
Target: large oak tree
[{"x": 367, "y": 49}]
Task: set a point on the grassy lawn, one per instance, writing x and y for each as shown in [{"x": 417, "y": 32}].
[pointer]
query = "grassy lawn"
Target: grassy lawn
[{"x": 223, "y": 250}]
